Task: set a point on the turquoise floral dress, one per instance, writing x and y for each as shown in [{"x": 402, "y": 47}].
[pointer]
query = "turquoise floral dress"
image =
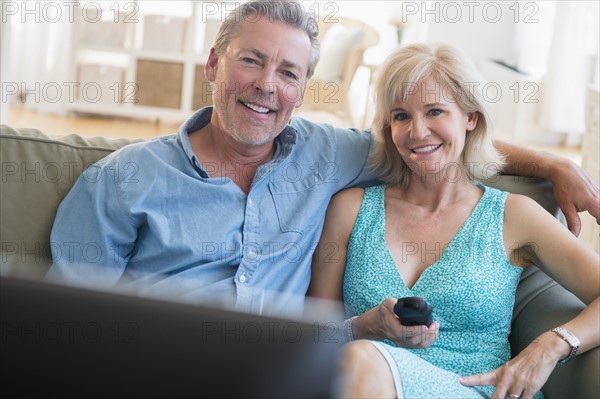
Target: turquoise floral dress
[{"x": 471, "y": 288}]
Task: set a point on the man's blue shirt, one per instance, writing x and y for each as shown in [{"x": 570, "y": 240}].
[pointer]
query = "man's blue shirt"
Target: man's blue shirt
[{"x": 148, "y": 216}]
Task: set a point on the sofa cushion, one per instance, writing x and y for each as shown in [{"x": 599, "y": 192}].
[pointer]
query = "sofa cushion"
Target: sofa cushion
[{"x": 37, "y": 172}]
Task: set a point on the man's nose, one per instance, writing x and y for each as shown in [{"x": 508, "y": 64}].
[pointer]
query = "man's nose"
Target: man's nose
[{"x": 266, "y": 80}]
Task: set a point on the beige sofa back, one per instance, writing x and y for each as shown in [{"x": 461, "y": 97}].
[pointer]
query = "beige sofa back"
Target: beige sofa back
[{"x": 37, "y": 172}]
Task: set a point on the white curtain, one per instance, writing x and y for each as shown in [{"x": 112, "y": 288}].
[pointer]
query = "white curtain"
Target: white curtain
[
  {"x": 569, "y": 69},
  {"x": 4, "y": 77},
  {"x": 38, "y": 60}
]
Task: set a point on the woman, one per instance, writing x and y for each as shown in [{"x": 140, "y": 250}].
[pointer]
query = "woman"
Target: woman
[{"x": 432, "y": 231}]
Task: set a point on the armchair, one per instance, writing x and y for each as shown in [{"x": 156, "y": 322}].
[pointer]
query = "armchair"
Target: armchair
[{"x": 343, "y": 44}]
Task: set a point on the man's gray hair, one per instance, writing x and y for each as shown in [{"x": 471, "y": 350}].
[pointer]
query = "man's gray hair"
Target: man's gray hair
[{"x": 288, "y": 11}]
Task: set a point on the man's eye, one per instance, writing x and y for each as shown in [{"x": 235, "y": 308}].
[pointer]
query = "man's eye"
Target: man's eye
[
  {"x": 290, "y": 75},
  {"x": 249, "y": 60}
]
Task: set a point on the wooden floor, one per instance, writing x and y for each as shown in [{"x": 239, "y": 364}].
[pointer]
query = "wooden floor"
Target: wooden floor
[{"x": 87, "y": 125}]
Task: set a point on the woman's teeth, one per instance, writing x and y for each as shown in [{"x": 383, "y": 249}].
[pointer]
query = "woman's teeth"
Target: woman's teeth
[{"x": 429, "y": 148}]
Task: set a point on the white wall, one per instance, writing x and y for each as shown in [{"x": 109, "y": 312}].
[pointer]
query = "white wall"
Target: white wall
[
  {"x": 484, "y": 29},
  {"x": 481, "y": 29}
]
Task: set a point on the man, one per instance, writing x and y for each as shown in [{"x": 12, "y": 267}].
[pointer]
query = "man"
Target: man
[{"x": 231, "y": 207}]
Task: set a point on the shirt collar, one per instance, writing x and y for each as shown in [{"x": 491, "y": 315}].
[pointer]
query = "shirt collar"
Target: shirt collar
[
  {"x": 197, "y": 121},
  {"x": 285, "y": 141}
]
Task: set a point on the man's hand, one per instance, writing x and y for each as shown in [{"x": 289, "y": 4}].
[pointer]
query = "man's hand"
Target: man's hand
[{"x": 575, "y": 191}]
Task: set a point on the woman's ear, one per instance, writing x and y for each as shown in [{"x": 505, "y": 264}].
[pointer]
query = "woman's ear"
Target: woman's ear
[{"x": 472, "y": 118}]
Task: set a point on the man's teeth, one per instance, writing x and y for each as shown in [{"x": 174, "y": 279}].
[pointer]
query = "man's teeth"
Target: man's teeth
[
  {"x": 429, "y": 148},
  {"x": 256, "y": 108}
]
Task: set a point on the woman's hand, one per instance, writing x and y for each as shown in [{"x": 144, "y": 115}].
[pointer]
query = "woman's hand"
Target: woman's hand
[
  {"x": 525, "y": 374},
  {"x": 381, "y": 322}
]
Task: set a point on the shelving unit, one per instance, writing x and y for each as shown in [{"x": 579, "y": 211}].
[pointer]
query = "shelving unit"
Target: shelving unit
[{"x": 142, "y": 59}]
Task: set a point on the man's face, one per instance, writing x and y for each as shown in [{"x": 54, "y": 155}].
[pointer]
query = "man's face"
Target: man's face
[{"x": 259, "y": 80}]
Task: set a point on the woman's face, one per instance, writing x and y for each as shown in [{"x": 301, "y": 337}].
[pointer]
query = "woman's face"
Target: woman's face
[{"x": 429, "y": 128}]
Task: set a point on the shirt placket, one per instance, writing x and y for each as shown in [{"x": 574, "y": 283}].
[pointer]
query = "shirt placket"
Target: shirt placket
[
  {"x": 251, "y": 253},
  {"x": 252, "y": 247}
]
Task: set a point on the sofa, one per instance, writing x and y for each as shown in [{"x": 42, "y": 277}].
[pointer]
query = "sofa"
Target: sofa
[{"x": 38, "y": 170}]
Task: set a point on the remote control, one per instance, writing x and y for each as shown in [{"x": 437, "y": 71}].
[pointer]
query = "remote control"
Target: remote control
[{"x": 413, "y": 311}]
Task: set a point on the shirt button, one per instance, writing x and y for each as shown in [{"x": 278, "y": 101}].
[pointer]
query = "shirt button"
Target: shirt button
[
  {"x": 242, "y": 279},
  {"x": 250, "y": 202}
]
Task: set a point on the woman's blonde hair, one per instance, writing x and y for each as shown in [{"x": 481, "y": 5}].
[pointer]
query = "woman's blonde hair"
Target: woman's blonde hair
[{"x": 397, "y": 78}]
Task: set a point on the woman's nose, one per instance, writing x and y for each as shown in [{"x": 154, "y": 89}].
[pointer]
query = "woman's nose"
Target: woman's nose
[{"x": 418, "y": 128}]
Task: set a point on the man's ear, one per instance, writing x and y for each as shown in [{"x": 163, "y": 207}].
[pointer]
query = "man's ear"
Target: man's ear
[
  {"x": 210, "y": 68},
  {"x": 472, "y": 118},
  {"x": 300, "y": 100},
  {"x": 300, "y": 96}
]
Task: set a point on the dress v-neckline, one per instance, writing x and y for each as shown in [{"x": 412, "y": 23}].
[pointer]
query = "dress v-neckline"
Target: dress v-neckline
[{"x": 392, "y": 261}]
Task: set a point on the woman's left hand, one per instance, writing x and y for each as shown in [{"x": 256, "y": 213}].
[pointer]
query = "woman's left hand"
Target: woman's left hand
[{"x": 522, "y": 376}]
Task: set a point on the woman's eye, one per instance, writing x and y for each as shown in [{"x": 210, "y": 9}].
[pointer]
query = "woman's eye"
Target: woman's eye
[
  {"x": 435, "y": 112},
  {"x": 400, "y": 116}
]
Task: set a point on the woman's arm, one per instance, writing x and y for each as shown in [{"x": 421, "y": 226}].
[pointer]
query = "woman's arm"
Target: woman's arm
[
  {"x": 329, "y": 258},
  {"x": 541, "y": 238},
  {"x": 563, "y": 257},
  {"x": 574, "y": 189},
  {"x": 327, "y": 279}
]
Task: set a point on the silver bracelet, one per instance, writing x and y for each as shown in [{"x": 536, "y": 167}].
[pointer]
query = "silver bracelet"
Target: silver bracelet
[
  {"x": 570, "y": 339},
  {"x": 348, "y": 333}
]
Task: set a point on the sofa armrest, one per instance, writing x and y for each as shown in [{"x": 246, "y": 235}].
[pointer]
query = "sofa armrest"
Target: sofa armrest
[
  {"x": 541, "y": 190},
  {"x": 542, "y": 304}
]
